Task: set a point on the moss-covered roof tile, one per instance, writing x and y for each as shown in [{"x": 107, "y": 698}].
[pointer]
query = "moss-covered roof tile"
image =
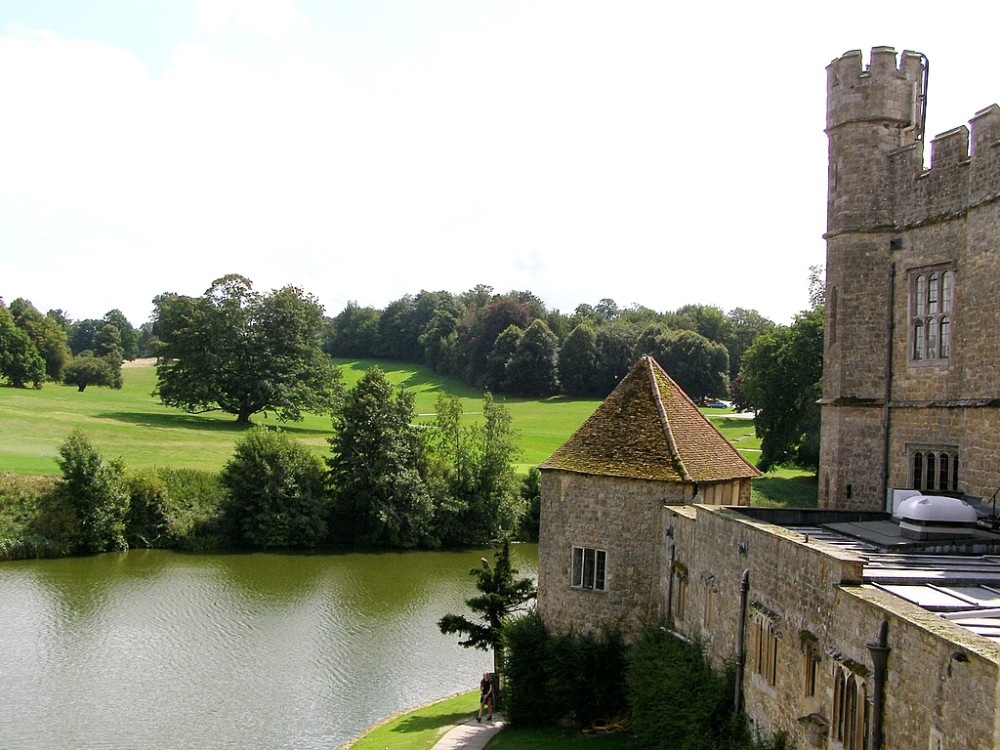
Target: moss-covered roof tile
[{"x": 649, "y": 429}]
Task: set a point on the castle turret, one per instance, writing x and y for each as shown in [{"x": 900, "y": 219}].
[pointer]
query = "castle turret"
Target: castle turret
[{"x": 873, "y": 114}]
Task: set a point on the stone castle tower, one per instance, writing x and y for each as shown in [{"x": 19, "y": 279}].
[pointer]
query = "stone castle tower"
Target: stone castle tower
[{"x": 911, "y": 379}]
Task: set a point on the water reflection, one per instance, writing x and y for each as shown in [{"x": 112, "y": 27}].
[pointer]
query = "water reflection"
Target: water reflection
[{"x": 158, "y": 650}]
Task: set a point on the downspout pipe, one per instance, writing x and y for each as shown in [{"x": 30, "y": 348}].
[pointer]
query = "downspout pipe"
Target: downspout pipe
[
  {"x": 887, "y": 395},
  {"x": 741, "y": 651},
  {"x": 879, "y": 651}
]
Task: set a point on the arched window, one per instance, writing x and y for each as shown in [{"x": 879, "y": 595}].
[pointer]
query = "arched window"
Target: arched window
[{"x": 945, "y": 344}]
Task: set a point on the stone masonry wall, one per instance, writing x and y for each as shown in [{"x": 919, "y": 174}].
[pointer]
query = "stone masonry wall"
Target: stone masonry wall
[
  {"x": 809, "y": 594},
  {"x": 617, "y": 515},
  {"x": 889, "y": 215}
]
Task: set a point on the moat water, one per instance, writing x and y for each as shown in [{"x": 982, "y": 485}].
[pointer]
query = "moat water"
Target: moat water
[{"x": 164, "y": 651}]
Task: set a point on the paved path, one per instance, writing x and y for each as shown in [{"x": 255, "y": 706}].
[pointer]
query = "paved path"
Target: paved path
[{"x": 470, "y": 735}]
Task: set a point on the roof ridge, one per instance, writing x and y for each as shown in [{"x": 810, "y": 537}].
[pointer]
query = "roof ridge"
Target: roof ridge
[{"x": 664, "y": 420}]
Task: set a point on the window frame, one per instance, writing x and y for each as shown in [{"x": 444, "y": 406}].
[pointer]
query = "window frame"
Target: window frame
[
  {"x": 930, "y": 314},
  {"x": 933, "y": 468},
  {"x": 588, "y": 568}
]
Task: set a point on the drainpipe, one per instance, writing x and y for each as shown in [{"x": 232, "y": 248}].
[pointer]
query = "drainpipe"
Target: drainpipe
[
  {"x": 670, "y": 579},
  {"x": 887, "y": 396},
  {"x": 741, "y": 654},
  {"x": 879, "y": 651}
]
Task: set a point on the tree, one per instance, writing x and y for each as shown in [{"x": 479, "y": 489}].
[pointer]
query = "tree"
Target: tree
[
  {"x": 353, "y": 333},
  {"x": 376, "y": 468},
  {"x": 501, "y": 595},
  {"x": 20, "y": 362},
  {"x": 90, "y": 370},
  {"x": 495, "y": 376},
  {"x": 96, "y": 491},
  {"x": 277, "y": 493},
  {"x": 472, "y": 474},
  {"x": 81, "y": 335},
  {"x": 241, "y": 352},
  {"x": 128, "y": 336},
  {"x": 746, "y": 326},
  {"x": 533, "y": 369},
  {"x": 578, "y": 360},
  {"x": 48, "y": 336},
  {"x": 699, "y": 366},
  {"x": 781, "y": 380},
  {"x": 107, "y": 346}
]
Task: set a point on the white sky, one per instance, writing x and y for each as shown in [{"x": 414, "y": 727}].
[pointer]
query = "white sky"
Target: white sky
[{"x": 653, "y": 153}]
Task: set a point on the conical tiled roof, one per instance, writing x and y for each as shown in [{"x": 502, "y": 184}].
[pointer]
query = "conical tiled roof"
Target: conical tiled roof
[{"x": 649, "y": 429}]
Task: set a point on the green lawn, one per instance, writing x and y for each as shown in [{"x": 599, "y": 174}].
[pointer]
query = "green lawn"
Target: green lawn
[
  {"x": 422, "y": 728},
  {"x": 132, "y": 424}
]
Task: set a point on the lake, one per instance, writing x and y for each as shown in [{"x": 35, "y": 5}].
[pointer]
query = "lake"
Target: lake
[{"x": 161, "y": 650}]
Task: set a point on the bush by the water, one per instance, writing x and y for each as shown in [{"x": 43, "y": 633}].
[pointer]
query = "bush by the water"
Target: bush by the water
[{"x": 95, "y": 508}]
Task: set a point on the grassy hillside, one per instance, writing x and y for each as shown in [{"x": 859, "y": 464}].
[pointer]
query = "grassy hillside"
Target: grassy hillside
[{"x": 133, "y": 425}]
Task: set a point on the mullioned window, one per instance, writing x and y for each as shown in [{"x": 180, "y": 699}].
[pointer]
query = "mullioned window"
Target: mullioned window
[{"x": 932, "y": 290}]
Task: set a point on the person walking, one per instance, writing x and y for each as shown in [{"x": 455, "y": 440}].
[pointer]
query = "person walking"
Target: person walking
[{"x": 485, "y": 697}]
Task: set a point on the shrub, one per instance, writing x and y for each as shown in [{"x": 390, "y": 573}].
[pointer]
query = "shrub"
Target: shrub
[
  {"x": 195, "y": 503},
  {"x": 276, "y": 489},
  {"x": 551, "y": 678},
  {"x": 96, "y": 491},
  {"x": 34, "y": 521}
]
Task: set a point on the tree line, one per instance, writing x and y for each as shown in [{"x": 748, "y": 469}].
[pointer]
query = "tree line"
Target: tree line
[
  {"x": 36, "y": 348},
  {"x": 243, "y": 352},
  {"x": 511, "y": 344}
]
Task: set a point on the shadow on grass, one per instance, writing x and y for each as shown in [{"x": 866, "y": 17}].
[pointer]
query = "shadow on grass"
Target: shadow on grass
[
  {"x": 420, "y": 723},
  {"x": 196, "y": 422},
  {"x": 785, "y": 492}
]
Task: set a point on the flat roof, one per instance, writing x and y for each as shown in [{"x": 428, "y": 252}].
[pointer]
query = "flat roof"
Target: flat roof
[{"x": 960, "y": 584}]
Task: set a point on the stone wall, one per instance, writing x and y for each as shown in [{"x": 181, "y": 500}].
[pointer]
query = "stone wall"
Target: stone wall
[
  {"x": 888, "y": 215},
  {"x": 809, "y": 597},
  {"x": 622, "y": 517}
]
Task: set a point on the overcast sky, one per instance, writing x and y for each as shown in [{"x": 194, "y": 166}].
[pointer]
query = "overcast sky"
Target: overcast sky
[{"x": 654, "y": 153}]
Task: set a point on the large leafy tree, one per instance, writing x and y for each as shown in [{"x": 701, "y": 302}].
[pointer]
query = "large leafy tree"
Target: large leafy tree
[
  {"x": 128, "y": 336},
  {"x": 353, "y": 333},
  {"x": 699, "y": 366},
  {"x": 20, "y": 362},
  {"x": 533, "y": 370},
  {"x": 243, "y": 353},
  {"x": 376, "y": 468},
  {"x": 501, "y": 594},
  {"x": 578, "y": 361},
  {"x": 781, "y": 380},
  {"x": 47, "y": 334},
  {"x": 745, "y": 326}
]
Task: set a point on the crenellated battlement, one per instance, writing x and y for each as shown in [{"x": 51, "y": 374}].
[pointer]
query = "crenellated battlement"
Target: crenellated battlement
[
  {"x": 882, "y": 92},
  {"x": 964, "y": 172},
  {"x": 875, "y": 117}
]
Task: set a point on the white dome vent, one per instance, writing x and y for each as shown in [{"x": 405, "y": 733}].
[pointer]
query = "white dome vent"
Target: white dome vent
[{"x": 927, "y": 516}]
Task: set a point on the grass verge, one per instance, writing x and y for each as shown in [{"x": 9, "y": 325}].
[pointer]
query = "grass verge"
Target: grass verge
[{"x": 421, "y": 728}]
